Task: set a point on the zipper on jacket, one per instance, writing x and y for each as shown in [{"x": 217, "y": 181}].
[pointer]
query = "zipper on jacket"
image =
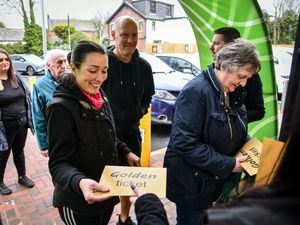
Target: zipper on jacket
[
  {"x": 229, "y": 124},
  {"x": 230, "y": 128},
  {"x": 243, "y": 124}
]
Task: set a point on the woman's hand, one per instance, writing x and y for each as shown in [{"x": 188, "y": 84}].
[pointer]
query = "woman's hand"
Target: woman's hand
[
  {"x": 132, "y": 159},
  {"x": 238, "y": 167},
  {"x": 89, "y": 187}
]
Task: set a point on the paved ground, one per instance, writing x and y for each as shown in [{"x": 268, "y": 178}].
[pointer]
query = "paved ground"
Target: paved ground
[{"x": 34, "y": 206}]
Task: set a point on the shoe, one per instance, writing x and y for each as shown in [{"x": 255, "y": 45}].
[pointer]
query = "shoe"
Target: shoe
[
  {"x": 25, "y": 181},
  {"x": 128, "y": 221},
  {"x": 4, "y": 190}
]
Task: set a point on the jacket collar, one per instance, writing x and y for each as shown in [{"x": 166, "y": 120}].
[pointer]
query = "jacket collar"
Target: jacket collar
[
  {"x": 238, "y": 96},
  {"x": 49, "y": 75},
  {"x": 210, "y": 75}
]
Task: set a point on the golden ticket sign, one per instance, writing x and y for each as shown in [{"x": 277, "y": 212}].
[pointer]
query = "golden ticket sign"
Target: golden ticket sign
[
  {"x": 252, "y": 149},
  {"x": 120, "y": 178}
]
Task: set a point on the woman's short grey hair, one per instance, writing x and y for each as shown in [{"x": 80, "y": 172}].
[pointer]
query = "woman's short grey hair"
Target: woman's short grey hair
[{"x": 237, "y": 54}]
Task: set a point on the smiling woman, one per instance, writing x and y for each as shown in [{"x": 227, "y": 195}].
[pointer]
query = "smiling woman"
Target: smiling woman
[{"x": 79, "y": 150}]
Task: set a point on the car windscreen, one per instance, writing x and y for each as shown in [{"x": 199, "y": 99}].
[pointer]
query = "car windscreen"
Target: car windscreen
[
  {"x": 158, "y": 66},
  {"x": 33, "y": 58}
]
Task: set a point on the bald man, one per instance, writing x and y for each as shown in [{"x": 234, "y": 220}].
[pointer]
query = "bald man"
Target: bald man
[{"x": 129, "y": 87}]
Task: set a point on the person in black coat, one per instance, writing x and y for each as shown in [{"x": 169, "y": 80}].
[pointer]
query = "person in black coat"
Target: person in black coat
[
  {"x": 15, "y": 119},
  {"x": 82, "y": 139},
  {"x": 275, "y": 204},
  {"x": 149, "y": 210},
  {"x": 129, "y": 88}
]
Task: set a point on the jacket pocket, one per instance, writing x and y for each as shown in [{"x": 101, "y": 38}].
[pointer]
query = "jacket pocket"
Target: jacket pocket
[{"x": 209, "y": 187}]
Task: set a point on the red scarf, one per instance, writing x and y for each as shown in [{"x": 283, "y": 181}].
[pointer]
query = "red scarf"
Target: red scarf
[{"x": 95, "y": 99}]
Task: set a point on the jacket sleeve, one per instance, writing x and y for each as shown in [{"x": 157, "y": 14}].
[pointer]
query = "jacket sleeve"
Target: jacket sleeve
[
  {"x": 122, "y": 148},
  {"x": 254, "y": 101},
  {"x": 188, "y": 126},
  {"x": 62, "y": 147},
  {"x": 149, "y": 210},
  {"x": 38, "y": 118},
  {"x": 149, "y": 89}
]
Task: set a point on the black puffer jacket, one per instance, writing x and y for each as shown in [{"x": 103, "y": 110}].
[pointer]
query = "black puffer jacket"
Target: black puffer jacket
[
  {"x": 82, "y": 141},
  {"x": 206, "y": 134},
  {"x": 259, "y": 206},
  {"x": 149, "y": 210},
  {"x": 129, "y": 88}
]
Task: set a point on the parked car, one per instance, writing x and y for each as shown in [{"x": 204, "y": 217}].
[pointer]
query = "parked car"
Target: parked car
[
  {"x": 28, "y": 63},
  {"x": 282, "y": 64},
  {"x": 186, "y": 63},
  {"x": 168, "y": 83}
]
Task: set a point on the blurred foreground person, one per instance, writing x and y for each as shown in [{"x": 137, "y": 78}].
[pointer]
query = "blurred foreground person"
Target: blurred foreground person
[
  {"x": 149, "y": 210},
  {"x": 275, "y": 204},
  {"x": 82, "y": 139},
  {"x": 209, "y": 127},
  {"x": 15, "y": 119}
]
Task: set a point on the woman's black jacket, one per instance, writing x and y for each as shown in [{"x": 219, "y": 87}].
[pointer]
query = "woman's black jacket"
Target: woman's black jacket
[{"x": 82, "y": 141}]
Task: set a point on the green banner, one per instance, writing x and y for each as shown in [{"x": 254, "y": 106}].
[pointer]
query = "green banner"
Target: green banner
[{"x": 207, "y": 15}]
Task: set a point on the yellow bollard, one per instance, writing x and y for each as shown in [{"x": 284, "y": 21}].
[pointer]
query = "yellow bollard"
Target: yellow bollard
[
  {"x": 31, "y": 81},
  {"x": 145, "y": 129}
]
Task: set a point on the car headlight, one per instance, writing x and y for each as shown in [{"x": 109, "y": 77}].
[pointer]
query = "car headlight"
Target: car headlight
[{"x": 164, "y": 95}]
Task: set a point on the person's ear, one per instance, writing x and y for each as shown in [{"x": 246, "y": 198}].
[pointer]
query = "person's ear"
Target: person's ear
[
  {"x": 113, "y": 34},
  {"x": 74, "y": 69},
  {"x": 48, "y": 64}
]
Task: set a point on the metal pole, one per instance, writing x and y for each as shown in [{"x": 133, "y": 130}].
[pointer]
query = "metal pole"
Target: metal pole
[
  {"x": 69, "y": 33},
  {"x": 44, "y": 28}
]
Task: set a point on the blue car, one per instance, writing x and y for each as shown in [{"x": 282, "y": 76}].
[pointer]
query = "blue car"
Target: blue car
[{"x": 168, "y": 83}]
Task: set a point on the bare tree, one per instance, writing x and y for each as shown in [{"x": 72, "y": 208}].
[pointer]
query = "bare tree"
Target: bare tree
[
  {"x": 19, "y": 7},
  {"x": 100, "y": 25},
  {"x": 31, "y": 11}
]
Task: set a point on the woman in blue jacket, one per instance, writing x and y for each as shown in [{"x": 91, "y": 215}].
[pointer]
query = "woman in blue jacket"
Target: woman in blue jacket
[
  {"x": 209, "y": 127},
  {"x": 15, "y": 118}
]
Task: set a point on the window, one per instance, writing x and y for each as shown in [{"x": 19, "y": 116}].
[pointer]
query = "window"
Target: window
[
  {"x": 169, "y": 10},
  {"x": 112, "y": 26},
  {"x": 153, "y": 26},
  {"x": 141, "y": 25},
  {"x": 153, "y": 7}
]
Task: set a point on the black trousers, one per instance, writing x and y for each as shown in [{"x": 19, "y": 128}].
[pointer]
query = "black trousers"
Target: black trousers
[
  {"x": 133, "y": 140},
  {"x": 72, "y": 218},
  {"x": 16, "y": 131}
]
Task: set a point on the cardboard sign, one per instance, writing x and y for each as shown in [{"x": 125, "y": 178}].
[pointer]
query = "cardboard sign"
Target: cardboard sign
[
  {"x": 120, "y": 178},
  {"x": 272, "y": 154},
  {"x": 252, "y": 149}
]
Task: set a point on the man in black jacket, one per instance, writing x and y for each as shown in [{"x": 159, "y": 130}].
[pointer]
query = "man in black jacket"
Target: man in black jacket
[
  {"x": 254, "y": 100},
  {"x": 129, "y": 88}
]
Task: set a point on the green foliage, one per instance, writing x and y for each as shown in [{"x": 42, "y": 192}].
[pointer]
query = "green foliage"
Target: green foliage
[
  {"x": 78, "y": 36},
  {"x": 15, "y": 48},
  {"x": 288, "y": 26},
  {"x": 62, "y": 32},
  {"x": 33, "y": 39}
]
